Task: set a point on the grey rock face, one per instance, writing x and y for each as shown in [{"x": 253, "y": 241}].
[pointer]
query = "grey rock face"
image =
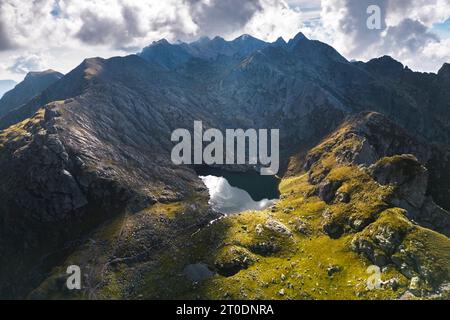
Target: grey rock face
[
  {"x": 407, "y": 174},
  {"x": 433, "y": 216},
  {"x": 411, "y": 179},
  {"x": 327, "y": 190},
  {"x": 277, "y": 227}
]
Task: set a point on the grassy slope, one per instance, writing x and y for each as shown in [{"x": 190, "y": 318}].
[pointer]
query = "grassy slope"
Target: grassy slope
[
  {"x": 293, "y": 263},
  {"x": 296, "y": 269},
  {"x": 299, "y": 267}
]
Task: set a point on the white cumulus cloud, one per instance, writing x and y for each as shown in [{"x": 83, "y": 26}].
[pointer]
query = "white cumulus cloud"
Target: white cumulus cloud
[{"x": 67, "y": 31}]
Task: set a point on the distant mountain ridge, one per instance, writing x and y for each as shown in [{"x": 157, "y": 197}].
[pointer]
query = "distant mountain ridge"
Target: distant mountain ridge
[
  {"x": 33, "y": 84},
  {"x": 173, "y": 55}
]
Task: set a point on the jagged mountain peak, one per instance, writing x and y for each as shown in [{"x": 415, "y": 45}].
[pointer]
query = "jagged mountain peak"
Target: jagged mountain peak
[
  {"x": 93, "y": 60},
  {"x": 171, "y": 56},
  {"x": 444, "y": 70},
  {"x": 218, "y": 39},
  {"x": 280, "y": 41},
  {"x": 386, "y": 63},
  {"x": 166, "y": 54},
  {"x": 314, "y": 51},
  {"x": 299, "y": 37},
  {"x": 161, "y": 42},
  {"x": 202, "y": 39},
  {"x": 247, "y": 37}
]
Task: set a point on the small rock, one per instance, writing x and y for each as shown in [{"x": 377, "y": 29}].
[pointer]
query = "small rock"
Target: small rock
[
  {"x": 414, "y": 285},
  {"x": 331, "y": 270},
  {"x": 343, "y": 197},
  {"x": 259, "y": 229},
  {"x": 288, "y": 210}
]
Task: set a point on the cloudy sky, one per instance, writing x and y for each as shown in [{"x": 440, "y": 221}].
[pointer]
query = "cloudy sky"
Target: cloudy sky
[{"x": 59, "y": 34}]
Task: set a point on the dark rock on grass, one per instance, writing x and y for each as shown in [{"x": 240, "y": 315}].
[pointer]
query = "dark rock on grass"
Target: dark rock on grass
[
  {"x": 265, "y": 248},
  {"x": 330, "y": 226},
  {"x": 398, "y": 170},
  {"x": 433, "y": 217},
  {"x": 390, "y": 240},
  {"x": 343, "y": 197},
  {"x": 360, "y": 224},
  {"x": 384, "y": 237},
  {"x": 270, "y": 237},
  {"x": 302, "y": 227},
  {"x": 333, "y": 229},
  {"x": 331, "y": 270},
  {"x": 380, "y": 258},
  {"x": 327, "y": 190},
  {"x": 288, "y": 210}
]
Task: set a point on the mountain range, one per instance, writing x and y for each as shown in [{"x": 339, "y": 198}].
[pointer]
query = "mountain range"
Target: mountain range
[{"x": 86, "y": 176}]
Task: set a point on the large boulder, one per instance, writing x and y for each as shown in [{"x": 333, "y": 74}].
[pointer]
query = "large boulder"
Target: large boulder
[
  {"x": 380, "y": 240},
  {"x": 407, "y": 175},
  {"x": 410, "y": 180},
  {"x": 326, "y": 190}
]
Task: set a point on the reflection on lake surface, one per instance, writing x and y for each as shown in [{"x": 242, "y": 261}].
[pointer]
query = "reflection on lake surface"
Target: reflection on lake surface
[{"x": 228, "y": 199}]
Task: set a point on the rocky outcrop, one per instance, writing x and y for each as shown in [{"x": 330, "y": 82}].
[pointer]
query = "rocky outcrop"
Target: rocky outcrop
[
  {"x": 330, "y": 226},
  {"x": 277, "y": 228},
  {"x": 383, "y": 199},
  {"x": 326, "y": 190},
  {"x": 389, "y": 241},
  {"x": 408, "y": 176},
  {"x": 381, "y": 240},
  {"x": 233, "y": 259},
  {"x": 410, "y": 180}
]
